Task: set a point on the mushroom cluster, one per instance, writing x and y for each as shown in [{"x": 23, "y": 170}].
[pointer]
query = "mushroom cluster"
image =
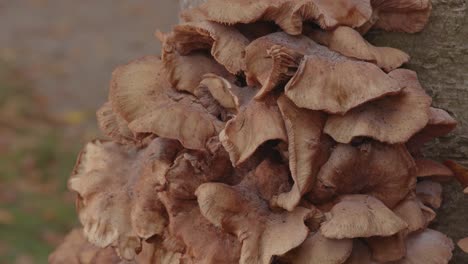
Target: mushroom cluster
[{"x": 268, "y": 131}]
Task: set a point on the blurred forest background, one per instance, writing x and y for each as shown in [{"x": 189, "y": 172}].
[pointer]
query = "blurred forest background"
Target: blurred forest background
[{"x": 56, "y": 59}]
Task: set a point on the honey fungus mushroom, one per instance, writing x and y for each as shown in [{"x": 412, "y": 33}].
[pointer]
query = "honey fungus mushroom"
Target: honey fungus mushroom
[{"x": 268, "y": 131}]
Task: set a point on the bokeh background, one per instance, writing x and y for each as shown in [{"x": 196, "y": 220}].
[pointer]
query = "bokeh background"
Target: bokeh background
[{"x": 56, "y": 57}]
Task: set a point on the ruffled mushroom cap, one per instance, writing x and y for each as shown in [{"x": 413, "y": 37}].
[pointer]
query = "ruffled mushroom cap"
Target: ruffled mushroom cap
[
  {"x": 77, "y": 250},
  {"x": 393, "y": 119},
  {"x": 307, "y": 149},
  {"x": 360, "y": 216},
  {"x": 288, "y": 14},
  {"x": 185, "y": 72},
  {"x": 257, "y": 123},
  {"x": 227, "y": 45},
  {"x": 203, "y": 242},
  {"x": 317, "y": 249},
  {"x": 460, "y": 172},
  {"x": 383, "y": 171},
  {"x": 113, "y": 125},
  {"x": 463, "y": 244},
  {"x": 427, "y": 247},
  {"x": 430, "y": 169},
  {"x": 104, "y": 176},
  {"x": 350, "y": 43},
  {"x": 414, "y": 213},
  {"x": 227, "y": 94},
  {"x": 401, "y": 15},
  {"x": 335, "y": 84},
  {"x": 430, "y": 193},
  {"x": 263, "y": 234},
  {"x": 137, "y": 87},
  {"x": 186, "y": 121},
  {"x": 272, "y": 60},
  {"x": 440, "y": 123}
]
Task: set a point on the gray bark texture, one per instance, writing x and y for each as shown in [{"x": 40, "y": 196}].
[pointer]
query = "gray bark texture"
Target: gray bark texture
[{"x": 439, "y": 55}]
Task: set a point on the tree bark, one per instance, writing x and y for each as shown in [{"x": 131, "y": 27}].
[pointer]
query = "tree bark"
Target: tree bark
[{"x": 184, "y": 4}]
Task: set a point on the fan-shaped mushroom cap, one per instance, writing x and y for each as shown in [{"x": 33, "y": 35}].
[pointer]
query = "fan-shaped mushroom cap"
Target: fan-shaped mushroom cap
[
  {"x": 271, "y": 60},
  {"x": 430, "y": 169},
  {"x": 463, "y": 244},
  {"x": 113, "y": 125},
  {"x": 383, "y": 171},
  {"x": 187, "y": 121},
  {"x": 427, "y": 247},
  {"x": 257, "y": 123},
  {"x": 288, "y": 14},
  {"x": 227, "y": 94},
  {"x": 137, "y": 87},
  {"x": 393, "y": 119},
  {"x": 350, "y": 43},
  {"x": 306, "y": 148},
  {"x": 263, "y": 234},
  {"x": 401, "y": 15},
  {"x": 77, "y": 250},
  {"x": 185, "y": 72},
  {"x": 361, "y": 216},
  {"x": 385, "y": 249},
  {"x": 440, "y": 123},
  {"x": 203, "y": 242},
  {"x": 430, "y": 193},
  {"x": 317, "y": 249},
  {"x": 104, "y": 176},
  {"x": 414, "y": 213},
  {"x": 461, "y": 173},
  {"x": 156, "y": 253},
  {"x": 333, "y": 83},
  {"x": 226, "y": 44}
]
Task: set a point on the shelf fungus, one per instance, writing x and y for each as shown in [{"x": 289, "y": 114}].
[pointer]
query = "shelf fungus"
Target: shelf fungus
[{"x": 268, "y": 131}]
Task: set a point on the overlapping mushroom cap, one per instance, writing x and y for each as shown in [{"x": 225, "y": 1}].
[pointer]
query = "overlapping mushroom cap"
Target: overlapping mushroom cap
[{"x": 267, "y": 132}]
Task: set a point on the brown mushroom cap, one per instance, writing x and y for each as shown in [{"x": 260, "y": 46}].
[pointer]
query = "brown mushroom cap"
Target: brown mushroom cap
[
  {"x": 333, "y": 83},
  {"x": 393, "y": 119},
  {"x": 440, "y": 123},
  {"x": 402, "y": 15},
  {"x": 75, "y": 249},
  {"x": 430, "y": 193},
  {"x": 227, "y": 94},
  {"x": 272, "y": 59},
  {"x": 104, "y": 176},
  {"x": 383, "y": 171},
  {"x": 425, "y": 247},
  {"x": 257, "y": 123},
  {"x": 430, "y": 169},
  {"x": 185, "y": 72},
  {"x": 317, "y": 249},
  {"x": 137, "y": 87},
  {"x": 289, "y": 15},
  {"x": 463, "y": 244},
  {"x": 306, "y": 147},
  {"x": 361, "y": 216},
  {"x": 414, "y": 213},
  {"x": 263, "y": 234},
  {"x": 226, "y": 44},
  {"x": 350, "y": 43},
  {"x": 113, "y": 125},
  {"x": 202, "y": 241},
  {"x": 460, "y": 172}
]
